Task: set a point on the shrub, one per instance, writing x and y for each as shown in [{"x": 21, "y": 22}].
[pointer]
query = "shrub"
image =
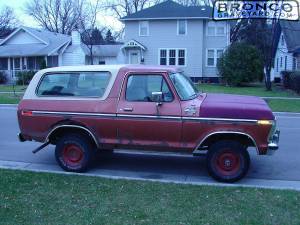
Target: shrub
[
  {"x": 286, "y": 78},
  {"x": 240, "y": 63},
  {"x": 3, "y": 78},
  {"x": 24, "y": 77},
  {"x": 295, "y": 81}
]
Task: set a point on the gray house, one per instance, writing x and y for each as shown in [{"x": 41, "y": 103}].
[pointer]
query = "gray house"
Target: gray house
[
  {"x": 287, "y": 56},
  {"x": 173, "y": 34},
  {"x": 27, "y": 49}
]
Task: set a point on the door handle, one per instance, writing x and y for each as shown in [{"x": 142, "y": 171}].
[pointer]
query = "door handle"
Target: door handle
[{"x": 128, "y": 109}]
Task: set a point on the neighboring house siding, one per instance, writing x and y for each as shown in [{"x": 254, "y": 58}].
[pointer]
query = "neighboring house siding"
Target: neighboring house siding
[
  {"x": 214, "y": 43},
  {"x": 163, "y": 35},
  {"x": 287, "y": 59},
  {"x": 74, "y": 55},
  {"x": 23, "y": 38}
]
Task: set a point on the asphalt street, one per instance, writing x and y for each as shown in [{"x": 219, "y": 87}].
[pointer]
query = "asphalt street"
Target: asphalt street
[{"x": 284, "y": 165}]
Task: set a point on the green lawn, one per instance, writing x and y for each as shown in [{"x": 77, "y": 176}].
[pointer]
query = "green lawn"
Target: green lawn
[
  {"x": 18, "y": 88},
  {"x": 255, "y": 90},
  {"x": 9, "y": 98},
  {"x": 41, "y": 198}
]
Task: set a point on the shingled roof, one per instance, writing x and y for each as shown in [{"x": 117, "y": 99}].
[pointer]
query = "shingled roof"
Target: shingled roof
[
  {"x": 171, "y": 10},
  {"x": 291, "y": 32}
]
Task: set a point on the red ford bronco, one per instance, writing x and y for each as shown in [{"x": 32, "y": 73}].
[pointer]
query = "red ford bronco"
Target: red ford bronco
[{"x": 85, "y": 109}]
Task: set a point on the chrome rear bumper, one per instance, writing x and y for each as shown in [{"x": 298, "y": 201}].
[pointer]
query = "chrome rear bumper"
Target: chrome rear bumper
[{"x": 273, "y": 143}]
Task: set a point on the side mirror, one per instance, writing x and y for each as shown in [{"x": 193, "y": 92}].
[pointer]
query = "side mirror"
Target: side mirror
[{"x": 157, "y": 97}]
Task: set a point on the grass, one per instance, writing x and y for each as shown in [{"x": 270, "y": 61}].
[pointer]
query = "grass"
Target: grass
[
  {"x": 255, "y": 90},
  {"x": 284, "y": 105},
  {"x": 9, "y": 98},
  {"x": 42, "y": 198},
  {"x": 18, "y": 88}
]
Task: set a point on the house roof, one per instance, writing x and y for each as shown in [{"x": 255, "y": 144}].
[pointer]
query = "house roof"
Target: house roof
[
  {"x": 291, "y": 32},
  {"x": 98, "y": 50},
  {"x": 50, "y": 43},
  {"x": 171, "y": 10}
]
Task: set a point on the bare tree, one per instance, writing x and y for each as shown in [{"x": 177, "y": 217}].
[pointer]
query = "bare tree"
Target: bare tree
[
  {"x": 61, "y": 16},
  {"x": 90, "y": 34},
  {"x": 121, "y": 8},
  {"x": 8, "y": 21}
]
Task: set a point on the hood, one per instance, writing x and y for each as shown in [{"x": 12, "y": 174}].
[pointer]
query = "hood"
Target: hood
[{"x": 235, "y": 107}]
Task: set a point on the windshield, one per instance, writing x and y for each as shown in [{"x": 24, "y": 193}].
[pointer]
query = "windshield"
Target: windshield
[{"x": 184, "y": 86}]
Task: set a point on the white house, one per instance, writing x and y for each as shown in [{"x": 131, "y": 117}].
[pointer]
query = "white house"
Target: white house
[
  {"x": 287, "y": 56},
  {"x": 172, "y": 34},
  {"x": 28, "y": 48}
]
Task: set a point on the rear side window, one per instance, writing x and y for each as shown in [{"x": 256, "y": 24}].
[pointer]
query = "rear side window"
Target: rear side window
[{"x": 83, "y": 84}]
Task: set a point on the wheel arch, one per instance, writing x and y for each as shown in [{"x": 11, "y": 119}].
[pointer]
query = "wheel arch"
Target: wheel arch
[
  {"x": 245, "y": 138},
  {"x": 58, "y": 130}
]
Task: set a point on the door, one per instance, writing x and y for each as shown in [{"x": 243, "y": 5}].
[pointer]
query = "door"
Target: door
[
  {"x": 142, "y": 122},
  {"x": 134, "y": 57}
]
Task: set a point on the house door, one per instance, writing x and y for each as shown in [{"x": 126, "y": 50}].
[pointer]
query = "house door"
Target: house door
[{"x": 134, "y": 57}]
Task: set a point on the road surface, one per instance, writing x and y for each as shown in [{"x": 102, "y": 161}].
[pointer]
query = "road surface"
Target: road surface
[{"x": 284, "y": 165}]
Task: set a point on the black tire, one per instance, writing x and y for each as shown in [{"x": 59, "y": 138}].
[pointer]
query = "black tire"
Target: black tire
[
  {"x": 227, "y": 161},
  {"x": 74, "y": 153}
]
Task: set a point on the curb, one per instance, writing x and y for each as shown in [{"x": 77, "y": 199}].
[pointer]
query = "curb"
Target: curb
[{"x": 200, "y": 181}]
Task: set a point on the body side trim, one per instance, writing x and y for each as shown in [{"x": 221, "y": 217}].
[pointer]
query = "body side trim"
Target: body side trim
[
  {"x": 72, "y": 126},
  {"x": 227, "y": 132},
  {"x": 144, "y": 116}
]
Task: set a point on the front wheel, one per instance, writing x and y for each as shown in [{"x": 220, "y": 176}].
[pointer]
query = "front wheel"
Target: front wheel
[
  {"x": 227, "y": 161},
  {"x": 74, "y": 153}
]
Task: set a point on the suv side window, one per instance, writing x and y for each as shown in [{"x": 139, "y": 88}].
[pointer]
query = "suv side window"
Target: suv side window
[
  {"x": 78, "y": 84},
  {"x": 140, "y": 88}
]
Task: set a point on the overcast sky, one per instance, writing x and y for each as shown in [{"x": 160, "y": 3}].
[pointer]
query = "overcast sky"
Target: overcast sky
[{"x": 19, "y": 5}]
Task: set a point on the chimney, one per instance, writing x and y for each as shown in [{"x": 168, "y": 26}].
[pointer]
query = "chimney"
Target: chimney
[{"x": 76, "y": 39}]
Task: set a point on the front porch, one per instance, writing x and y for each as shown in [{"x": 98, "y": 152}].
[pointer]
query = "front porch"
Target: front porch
[{"x": 11, "y": 66}]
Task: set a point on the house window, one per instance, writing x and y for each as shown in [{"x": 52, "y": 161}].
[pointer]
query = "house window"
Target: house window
[
  {"x": 181, "y": 57},
  {"x": 220, "y": 31},
  {"x": 210, "y": 57},
  {"x": 277, "y": 64},
  {"x": 52, "y": 61},
  {"x": 219, "y": 54},
  {"x": 285, "y": 62},
  {"x": 144, "y": 28},
  {"x": 294, "y": 63},
  {"x": 280, "y": 62},
  {"x": 181, "y": 27},
  {"x": 211, "y": 31},
  {"x": 215, "y": 28},
  {"x": 282, "y": 40},
  {"x": 213, "y": 56},
  {"x": 34, "y": 63},
  {"x": 172, "y": 57},
  {"x": 3, "y": 63},
  {"x": 163, "y": 57}
]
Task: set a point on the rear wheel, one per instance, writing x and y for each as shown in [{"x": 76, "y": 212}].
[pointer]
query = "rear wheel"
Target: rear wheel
[
  {"x": 227, "y": 161},
  {"x": 74, "y": 152}
]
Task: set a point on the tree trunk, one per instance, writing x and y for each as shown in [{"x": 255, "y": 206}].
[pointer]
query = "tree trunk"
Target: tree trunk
[
  {"x": 268, "y": 79},
  {"x": 91, "y": 55}
]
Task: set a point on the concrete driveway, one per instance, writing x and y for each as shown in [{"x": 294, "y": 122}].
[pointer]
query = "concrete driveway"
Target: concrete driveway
[{"x": 281, "y": 170}]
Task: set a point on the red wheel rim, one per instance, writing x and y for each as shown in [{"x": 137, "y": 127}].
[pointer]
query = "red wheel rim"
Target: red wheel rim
[
  {"x": 72, "y": 155},
  {"x": 227, "y": 163}
]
